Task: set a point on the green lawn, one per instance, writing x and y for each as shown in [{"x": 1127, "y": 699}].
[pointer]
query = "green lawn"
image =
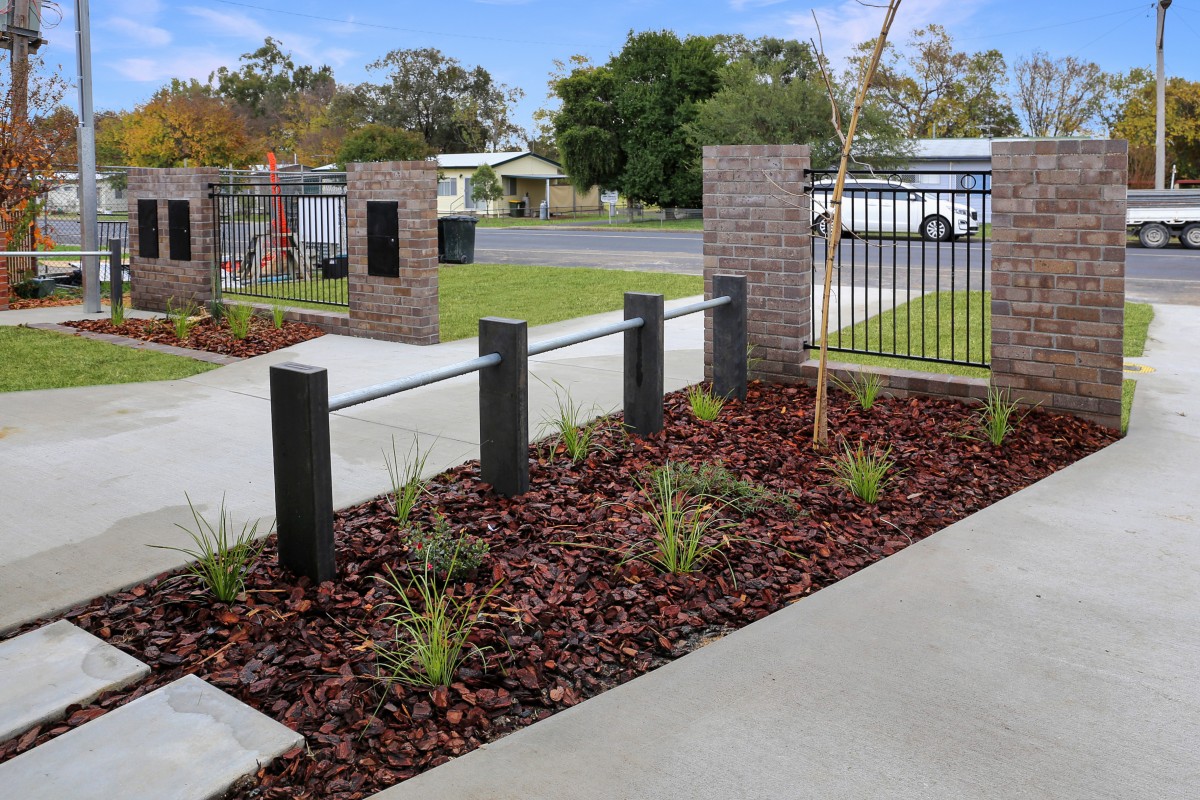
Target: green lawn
[
  {"x": 36, "y": 359},
  {"x": 537, "y": 294},
  {"x": 1138, "y": 317}
]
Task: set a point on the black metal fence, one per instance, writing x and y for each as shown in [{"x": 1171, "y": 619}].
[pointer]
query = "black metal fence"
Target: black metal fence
[
  {"x": 910, "y": 274},
  {"x": 282, "y": 241},
  {"x": 300, "y": 408}
]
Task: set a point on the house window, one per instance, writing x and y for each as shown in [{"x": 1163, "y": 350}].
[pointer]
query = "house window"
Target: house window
[
  {"x": 448, "y": 187},
  {"x": 510, "y": 186}
]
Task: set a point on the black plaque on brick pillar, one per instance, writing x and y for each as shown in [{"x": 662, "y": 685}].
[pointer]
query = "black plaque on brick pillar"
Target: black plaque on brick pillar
[
  {"x": 179, "y": 230},
  {"x": 383, "y": 238},
  {"x": 147, "y": 213}
]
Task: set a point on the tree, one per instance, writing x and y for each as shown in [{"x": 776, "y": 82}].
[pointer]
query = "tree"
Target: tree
[
  {"x": 1136, "y": 122},
  {"x": 485, "y": 185},
  {"x": 935, "y": 90},
  {"x": 773, "y": 93},
  {"x": 454, "y": 108},
  {"x": 34, "y": 136},
  {"x": 283, "y": 104},
  {"x": 1060, "y": 97},
  {"x": 183, "y": 124},
  {"x": 624, "y": 125},
  {"x": 382, "y": 143}
]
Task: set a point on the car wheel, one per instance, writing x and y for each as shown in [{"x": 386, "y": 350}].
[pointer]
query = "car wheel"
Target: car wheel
[
  {"x": 936, "y": 229},
  {"x": 1154, "y": 235},
  {"x": 821, "y": 227},
  {"x": 1190, "y": 238}
]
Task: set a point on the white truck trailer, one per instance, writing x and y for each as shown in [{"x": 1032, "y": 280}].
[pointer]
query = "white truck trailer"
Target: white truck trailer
[{"x": 1155, "y": 217}]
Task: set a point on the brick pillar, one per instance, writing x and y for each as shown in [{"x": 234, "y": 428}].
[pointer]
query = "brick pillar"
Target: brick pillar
[
  {"x": 155, "y": 280},
  {"x": 757, "y": 223},
  {"x": 404, "y": 307},
  {"x": 1058, "y": 274}
]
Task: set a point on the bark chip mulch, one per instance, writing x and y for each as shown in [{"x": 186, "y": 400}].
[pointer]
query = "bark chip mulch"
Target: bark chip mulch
[
  {"x": 208, "y": 334},
  {"x": 572, "y": 615}
]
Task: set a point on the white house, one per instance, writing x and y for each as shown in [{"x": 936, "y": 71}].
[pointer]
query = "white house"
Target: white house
[{"x": 525, "y": 177}]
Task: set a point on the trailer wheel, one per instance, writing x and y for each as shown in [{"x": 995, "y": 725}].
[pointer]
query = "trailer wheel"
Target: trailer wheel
[
  {"x": 1154, "y": 235},
  {"x": 1190, "y": 238}
]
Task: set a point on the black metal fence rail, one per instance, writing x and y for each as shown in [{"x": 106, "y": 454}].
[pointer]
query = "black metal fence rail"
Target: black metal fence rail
[
  {"x": 301, "y": 405},
  {"x": 283, "y": 242},
  {"x": 918, "y": 251}
]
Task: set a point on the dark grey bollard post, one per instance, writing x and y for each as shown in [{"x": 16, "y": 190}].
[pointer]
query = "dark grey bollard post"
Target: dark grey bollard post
[
  {"x": 504, "y": 406},
  {"x": 644, "y": 364},
  {"x": 116, "y": 278},
  {"x": 729, "y": 337},
  {"x": 303, "y": 475}
]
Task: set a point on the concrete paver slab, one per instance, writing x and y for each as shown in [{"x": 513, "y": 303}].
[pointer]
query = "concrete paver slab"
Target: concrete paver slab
[
  {"x": 45, "y": 670},
  {"x": 185, "y": 741}
]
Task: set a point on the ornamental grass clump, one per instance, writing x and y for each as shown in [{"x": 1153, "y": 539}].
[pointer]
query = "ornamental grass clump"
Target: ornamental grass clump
[
  {"x": 706, "y": 405},
  {"x": 570, "y": 428},
  {"x": 432, "y": 627},
  {"x": 277, "y": 314},
  {"x": 998, "y": 416},
  {"x": 713, "y": 480},
  {"x": 117, "y": 314},
  {"x": 182, "y": 317},
  {"x": 864, "y": 474},
  {"x": 220, "y": 560},
  {"x": 685, "y": 527},
  {"x": 863, "y": 387},
  {"x": 408, "y": 481},
  {"x": 238, "y": 317}
]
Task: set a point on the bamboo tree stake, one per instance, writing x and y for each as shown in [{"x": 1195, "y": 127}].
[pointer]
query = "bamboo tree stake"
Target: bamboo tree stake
[{"x": 821, "y": 411}]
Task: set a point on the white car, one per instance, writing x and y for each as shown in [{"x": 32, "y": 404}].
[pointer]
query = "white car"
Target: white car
[{"x": 880, "y": 206}]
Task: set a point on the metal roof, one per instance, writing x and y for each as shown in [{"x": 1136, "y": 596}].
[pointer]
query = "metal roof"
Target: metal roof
[{"x": 475, "y": 160}]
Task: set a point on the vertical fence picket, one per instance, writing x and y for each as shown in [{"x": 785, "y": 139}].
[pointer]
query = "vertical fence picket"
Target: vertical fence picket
[
  {"x": 729, "y": 337},
  {"x": 504, "y": 406},
  {"x": 644, "y": 367}
]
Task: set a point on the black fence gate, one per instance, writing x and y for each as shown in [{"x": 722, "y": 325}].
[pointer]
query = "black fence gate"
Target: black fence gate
[
  {"x": 911, "y": 269},
  {"x": 282, "y": 241}
]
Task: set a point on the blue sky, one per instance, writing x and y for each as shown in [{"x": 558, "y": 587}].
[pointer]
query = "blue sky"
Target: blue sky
[{"x": 140, "y": 44}]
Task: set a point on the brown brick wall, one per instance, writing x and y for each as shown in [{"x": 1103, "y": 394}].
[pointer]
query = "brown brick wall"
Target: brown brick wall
[
  {"x": 757, "y": 224},
  {"x": 159, "y": 280},
  {"x": 1058, "y": 274},
  {"x": 402, "y": 309},
  {"x": 4, "y": 288}
]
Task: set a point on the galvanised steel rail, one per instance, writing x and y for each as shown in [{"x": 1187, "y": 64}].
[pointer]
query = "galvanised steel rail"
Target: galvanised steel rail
[
  {"x": 301, "y": 405},
  {"x": 91, "y": 271}
]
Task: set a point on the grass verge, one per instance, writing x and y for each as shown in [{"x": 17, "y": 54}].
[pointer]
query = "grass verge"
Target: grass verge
[
  {"x": 539, "y": 295},
  {"x": 1138, "y": 317},
  {"x": 36, "y": 359}
]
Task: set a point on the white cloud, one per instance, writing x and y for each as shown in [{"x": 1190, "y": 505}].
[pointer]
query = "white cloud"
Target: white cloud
[
  {"x": 235, "y": 25},
  {"x": 847, "y": 23},
  {"x": 742, "y": 5},
  {"x": 182, "y": 64},
  {"x": 135, "y": 34}
]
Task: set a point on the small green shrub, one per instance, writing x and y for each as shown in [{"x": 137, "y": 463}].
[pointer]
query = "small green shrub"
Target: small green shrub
[
  {"x": 864, "y": 474},
  {"x": 117, "y": 314},
  {"x": 998, "y": 416},
  {"x": 863, "y": 387},
  {"x": 432, "y": 626},
  {"x": 408, "y": 481},
  {"x": 182, "y": 316},
  {"x": 705, "y": 404},
  {"x": 277, "y": 313},
  {"x": 239, "y": 317},
  {"x": 445, "y": 552},
  {"x": 713, "y": 480},
  {"x": 220, "y": 560}
]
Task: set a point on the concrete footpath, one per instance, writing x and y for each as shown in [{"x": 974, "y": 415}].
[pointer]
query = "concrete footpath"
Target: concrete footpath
[
  {"x": 93, "y": 475},
  {"x": 1043, "y": 648}
]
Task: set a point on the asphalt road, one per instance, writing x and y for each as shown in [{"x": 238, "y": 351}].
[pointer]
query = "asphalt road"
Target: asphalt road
[{"x": 1169, "y": 275}]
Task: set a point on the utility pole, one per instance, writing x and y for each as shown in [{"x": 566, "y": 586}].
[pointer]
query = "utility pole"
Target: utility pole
[
  {"x": 1160, "y": 115},
  {"x": 87, "y": 163}
]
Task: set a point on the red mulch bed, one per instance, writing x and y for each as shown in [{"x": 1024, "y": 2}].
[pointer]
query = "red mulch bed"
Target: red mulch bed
[
  {"x": 568, "y": 620},
  {"x": 208, "y": 334},
  {"x": 54, "y": 301}
]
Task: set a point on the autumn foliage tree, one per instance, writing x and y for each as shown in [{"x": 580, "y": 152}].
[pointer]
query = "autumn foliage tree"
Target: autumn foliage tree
[
  {"x": 183, "y": 124},
  {"x": 31, "y": 143}
]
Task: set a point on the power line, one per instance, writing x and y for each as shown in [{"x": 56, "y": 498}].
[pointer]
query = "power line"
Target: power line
[
  {"x": 397, "y": 28},
  {"x": 1093, "y": 18},
  {"x": 1116, "y": 27}
]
